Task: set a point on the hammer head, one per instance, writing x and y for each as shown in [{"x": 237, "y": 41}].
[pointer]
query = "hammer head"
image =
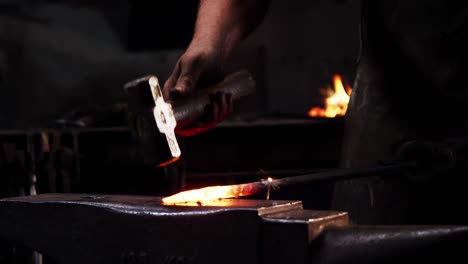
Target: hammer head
[{"x": 152, "y": 122}]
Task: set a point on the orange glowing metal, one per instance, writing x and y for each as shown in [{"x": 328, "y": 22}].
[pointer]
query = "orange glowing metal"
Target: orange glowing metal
[
  {"x": 211, "y": 193},
  {"x": 336, "y": 103}
]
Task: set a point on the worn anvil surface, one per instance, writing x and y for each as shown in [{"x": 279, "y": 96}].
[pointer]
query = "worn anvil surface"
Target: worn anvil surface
[{"x": 75, "y": 228}]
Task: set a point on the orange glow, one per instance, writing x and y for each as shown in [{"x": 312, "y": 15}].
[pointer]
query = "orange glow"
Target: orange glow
[
  {"x": 207, "y": 194},
  {"x": 212, "y": 203},
  {"x": 336, "y": 101}
]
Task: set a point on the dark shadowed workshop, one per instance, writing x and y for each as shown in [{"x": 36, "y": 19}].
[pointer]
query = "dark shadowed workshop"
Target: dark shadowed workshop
[{"x": 233, "y": 131}]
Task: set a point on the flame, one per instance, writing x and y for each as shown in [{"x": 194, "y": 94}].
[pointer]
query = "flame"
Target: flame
[
  {"x": 211, "y": 193},
  {"x": 336, "y": 101}
]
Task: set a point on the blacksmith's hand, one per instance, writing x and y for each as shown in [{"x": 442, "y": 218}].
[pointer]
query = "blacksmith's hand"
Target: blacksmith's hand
[{"x": 198, "y": 68}]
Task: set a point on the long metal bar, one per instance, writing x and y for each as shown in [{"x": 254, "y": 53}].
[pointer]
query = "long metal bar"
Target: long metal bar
[
  {"x": 343, "y": 174},
  {"x": 253, "y": 188}
]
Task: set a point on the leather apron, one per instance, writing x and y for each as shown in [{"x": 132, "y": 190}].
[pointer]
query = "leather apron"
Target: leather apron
[{"x": 409, "y": 85}]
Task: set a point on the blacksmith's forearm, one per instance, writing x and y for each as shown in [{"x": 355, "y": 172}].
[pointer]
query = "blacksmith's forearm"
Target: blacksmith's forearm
[{"x": 223, "y": 24}]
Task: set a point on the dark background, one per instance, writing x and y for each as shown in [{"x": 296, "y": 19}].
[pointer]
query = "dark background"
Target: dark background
[{"x": 57, "y": 57}]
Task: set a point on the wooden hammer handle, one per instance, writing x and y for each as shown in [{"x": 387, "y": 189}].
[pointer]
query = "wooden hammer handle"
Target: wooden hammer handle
[{"x": 239, "y": 84}]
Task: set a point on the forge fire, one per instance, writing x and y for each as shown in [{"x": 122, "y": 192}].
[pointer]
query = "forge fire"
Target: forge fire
[{"x": 336, "y": 100}]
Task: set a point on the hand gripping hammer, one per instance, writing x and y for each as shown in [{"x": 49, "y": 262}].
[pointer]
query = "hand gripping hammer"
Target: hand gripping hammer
[{"x": 152, "y": 119}]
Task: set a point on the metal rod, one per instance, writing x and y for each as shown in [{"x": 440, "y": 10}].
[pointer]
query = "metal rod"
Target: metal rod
[
  {"x": 253, "y": 188},
  {"x": 342, "y": 174},
  {"x": 260, "y": 173},
  {"x": 320, "y": 177}
]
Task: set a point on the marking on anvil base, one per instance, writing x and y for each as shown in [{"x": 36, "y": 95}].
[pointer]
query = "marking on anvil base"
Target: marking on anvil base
[
  {"x": 134, "y": 257},
  {"x": 178, "y": 260}
]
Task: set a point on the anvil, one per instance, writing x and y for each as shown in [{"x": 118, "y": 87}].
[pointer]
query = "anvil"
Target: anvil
[{"x": 75, "y": 228}]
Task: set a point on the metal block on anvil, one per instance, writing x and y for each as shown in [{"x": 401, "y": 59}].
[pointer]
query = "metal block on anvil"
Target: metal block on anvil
[{"x": 75, "y": 228}]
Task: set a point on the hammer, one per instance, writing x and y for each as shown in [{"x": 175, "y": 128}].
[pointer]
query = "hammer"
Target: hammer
[{"x": 152, "y": 120}]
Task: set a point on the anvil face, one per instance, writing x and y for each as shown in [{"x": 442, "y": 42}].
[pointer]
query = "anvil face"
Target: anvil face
[{"x": 73, "y": 228}]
